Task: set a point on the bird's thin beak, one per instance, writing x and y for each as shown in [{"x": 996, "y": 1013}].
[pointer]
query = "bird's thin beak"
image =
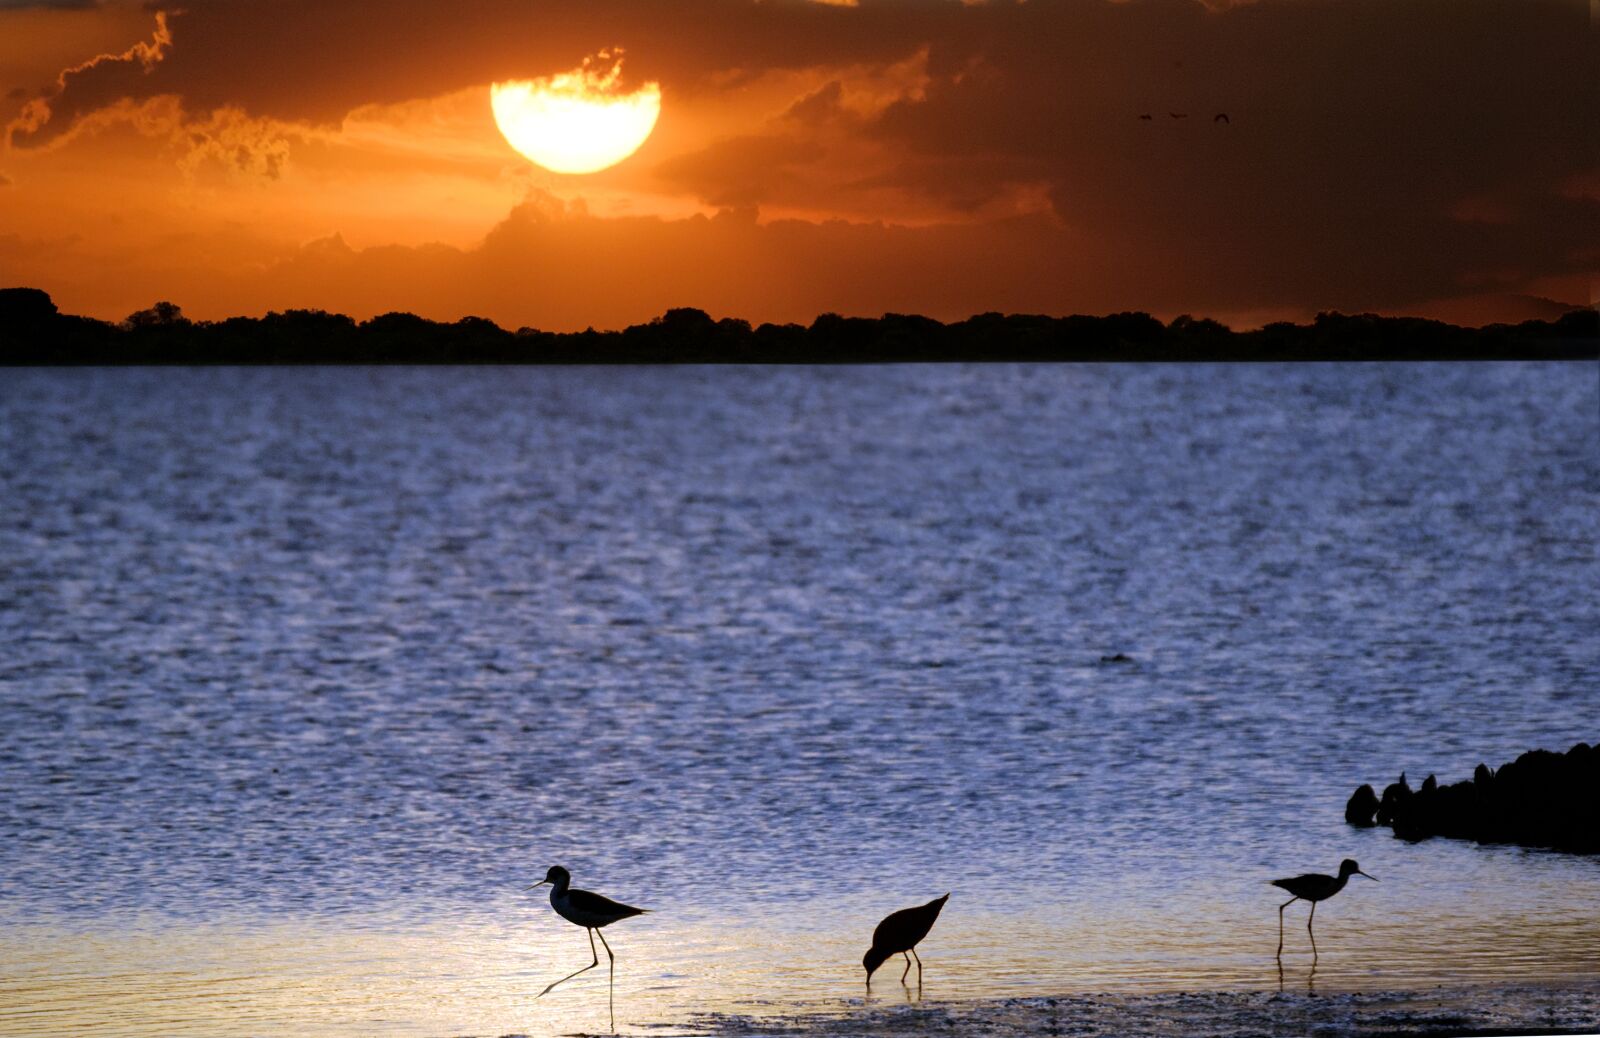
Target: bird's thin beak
[
  {"x": 1373, "y": 878},
  {"x": 542, "y": 882}
]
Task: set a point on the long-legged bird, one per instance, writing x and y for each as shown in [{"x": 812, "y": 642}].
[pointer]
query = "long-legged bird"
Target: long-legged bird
[
  {"x": 1314, "y": 887},
  {"x": 898, "y": 934},
  {"x": 590, "y": 911}
]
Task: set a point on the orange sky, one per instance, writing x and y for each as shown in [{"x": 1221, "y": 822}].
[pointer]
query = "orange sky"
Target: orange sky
[{"x": 1435, "y": 157}]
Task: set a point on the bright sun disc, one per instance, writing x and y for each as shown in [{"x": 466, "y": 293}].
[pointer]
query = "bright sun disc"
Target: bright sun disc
[{"x": 578, "y": 121}]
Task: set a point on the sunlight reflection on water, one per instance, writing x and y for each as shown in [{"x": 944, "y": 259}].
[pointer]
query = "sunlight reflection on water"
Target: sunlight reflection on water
[{"x": 255, "y": 979}]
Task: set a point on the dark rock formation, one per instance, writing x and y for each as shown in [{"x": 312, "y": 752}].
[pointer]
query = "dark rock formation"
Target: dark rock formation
[
  {"x": 1541, "y": 799},
  {"x": 1394, "y": 795},
  {"x": 1363, "y": 804}
]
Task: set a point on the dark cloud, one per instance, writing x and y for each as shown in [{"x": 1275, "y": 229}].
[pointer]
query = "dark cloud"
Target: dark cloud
[
  {"x": 1376, "y": 152},
  {"x": 89, "y": 87},
  {"x": 962, "y": 183},
  {"x": 314, "y": 60},
  {"x": 555, "y": 266},
  {"x": 820, "y": 106},
  {"x": 743, "y": 171},
  {"x": 1356, "y": 128},
  {"x": 1358, "y": 132}
]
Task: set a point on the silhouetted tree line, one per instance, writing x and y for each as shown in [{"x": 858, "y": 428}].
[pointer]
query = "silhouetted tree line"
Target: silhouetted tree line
[
  {"x": 32, "y": 332},
  {"x": 1541, "y": 799}
]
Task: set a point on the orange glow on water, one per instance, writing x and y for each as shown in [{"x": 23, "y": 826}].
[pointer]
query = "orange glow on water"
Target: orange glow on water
[{"x": 327, "y": 977}]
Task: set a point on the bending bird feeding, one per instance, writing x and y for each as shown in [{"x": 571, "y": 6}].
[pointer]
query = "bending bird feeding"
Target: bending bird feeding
[{"x": 899, "y": 934}]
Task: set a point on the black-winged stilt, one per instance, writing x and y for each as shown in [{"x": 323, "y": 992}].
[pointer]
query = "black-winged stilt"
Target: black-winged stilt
[
  {"x": 590, "y": 911},
  {"x": 1314, "y": 887},
  {"x": 898, "y": 934}
]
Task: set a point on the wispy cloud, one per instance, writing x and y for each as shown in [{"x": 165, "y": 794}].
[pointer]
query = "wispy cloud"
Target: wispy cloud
[{"x": 94, "y": 84}]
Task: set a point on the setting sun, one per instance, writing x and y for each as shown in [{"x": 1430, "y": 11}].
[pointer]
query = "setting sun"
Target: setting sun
[{"x": 578, "y": 121}]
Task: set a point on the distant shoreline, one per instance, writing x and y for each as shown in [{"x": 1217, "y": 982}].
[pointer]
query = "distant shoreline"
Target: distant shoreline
[
  {"x": 33, "y": 334},
  {"x": 1437, "y": 1013}
]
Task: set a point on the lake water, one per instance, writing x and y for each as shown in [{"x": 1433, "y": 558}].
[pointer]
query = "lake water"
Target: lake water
[{"x": 305, "y": 673}]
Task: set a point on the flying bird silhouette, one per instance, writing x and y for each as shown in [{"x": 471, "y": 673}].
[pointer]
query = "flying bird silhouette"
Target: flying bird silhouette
[
  {"x": 1179, "y": 115},
  {"x": 1222, "y": 117},
  {"x": 1146, "y": 116}
]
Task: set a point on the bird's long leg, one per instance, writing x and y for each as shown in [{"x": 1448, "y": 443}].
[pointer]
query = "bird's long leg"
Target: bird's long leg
[
  {"x": 574, "y": 973},
  {"x": 1309, "y": 918},
  {"x": 1281, "y": 907},
  {"x": 914, "y": 955},
  {"x": 612, "y": 987},
  {"x": 907, "y": 973}
]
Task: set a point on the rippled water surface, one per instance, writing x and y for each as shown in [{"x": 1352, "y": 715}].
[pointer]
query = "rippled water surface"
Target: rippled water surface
[{"x": 305, "y": 673}]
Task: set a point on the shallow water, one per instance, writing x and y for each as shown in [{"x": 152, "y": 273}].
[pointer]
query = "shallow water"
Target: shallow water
[
  {"x": 1434, "y": 1013},
  {"x": 305, "y": 673}
]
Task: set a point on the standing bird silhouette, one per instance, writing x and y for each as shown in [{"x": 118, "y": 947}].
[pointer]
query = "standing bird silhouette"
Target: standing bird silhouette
[
  {"x": 898, "y": 934},
  {"x": 1314, "y": 887},
  {"x": 590, "y": 911}
]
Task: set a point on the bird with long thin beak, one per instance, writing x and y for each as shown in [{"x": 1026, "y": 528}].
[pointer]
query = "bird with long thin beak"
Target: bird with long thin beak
[
  {"x": 590, "y": 911},
  {"x": 899, "y": 934},
  {"x": 1314, "y": 887}
]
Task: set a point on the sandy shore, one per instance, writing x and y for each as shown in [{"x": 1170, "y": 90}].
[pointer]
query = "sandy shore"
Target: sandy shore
[{"x": 1439, "y": 1013}]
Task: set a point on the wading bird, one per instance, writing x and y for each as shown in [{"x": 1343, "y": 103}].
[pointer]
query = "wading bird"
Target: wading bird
[
  {"x": 1314, "y": 887},
  {"x": 898, "y": 934},
  {"x": 590, "y": 911}
]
